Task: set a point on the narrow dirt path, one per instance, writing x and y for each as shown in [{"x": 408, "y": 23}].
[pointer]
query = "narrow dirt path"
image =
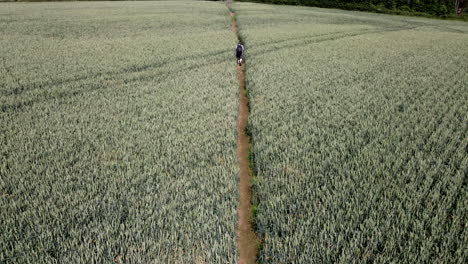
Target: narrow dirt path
[
  {"x": 233, "y": 24},
  {"x": 246, "y": 237}
]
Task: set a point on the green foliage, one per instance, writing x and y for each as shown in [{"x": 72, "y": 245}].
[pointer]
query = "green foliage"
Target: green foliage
[
  {"x": 360, "y": 133},
  {"x": 118, "y": 133}
]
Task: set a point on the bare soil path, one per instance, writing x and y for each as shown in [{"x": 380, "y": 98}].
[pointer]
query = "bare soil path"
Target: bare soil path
[
  {"x": 246, "y": 237},
  {"x": 233, "y": 24}
]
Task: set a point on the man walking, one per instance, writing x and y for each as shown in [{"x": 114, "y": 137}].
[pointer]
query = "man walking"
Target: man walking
[{"x": 239, "y": 53}]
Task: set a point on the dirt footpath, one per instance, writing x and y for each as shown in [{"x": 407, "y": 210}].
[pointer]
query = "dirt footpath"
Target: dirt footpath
[{"x": 247, "y": 239}]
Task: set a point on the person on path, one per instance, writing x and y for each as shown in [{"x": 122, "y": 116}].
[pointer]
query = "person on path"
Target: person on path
[{"x": 239, "y": 53}]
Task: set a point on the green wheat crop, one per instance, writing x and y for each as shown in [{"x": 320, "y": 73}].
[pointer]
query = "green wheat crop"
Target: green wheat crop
[
  {"x": 118, "y": 133},
  {"x": 360, "y": 135}
]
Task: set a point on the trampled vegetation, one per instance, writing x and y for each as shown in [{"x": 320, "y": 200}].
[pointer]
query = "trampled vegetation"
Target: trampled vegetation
[
  {"x": 359, "y": 125},
  {"x": 118, "y": 133}
]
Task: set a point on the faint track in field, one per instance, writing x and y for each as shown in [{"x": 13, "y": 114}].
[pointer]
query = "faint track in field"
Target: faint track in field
[
  {"x": 127, "y": 70},
  {"x": 20, "y": 105},
  {"x": 309, "y": 40},
  {"x": 322, "y": 38}
]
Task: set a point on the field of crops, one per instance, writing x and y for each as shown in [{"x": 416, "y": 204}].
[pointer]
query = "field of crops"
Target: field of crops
[
  {"x": 359, "y": 125},
  {"x": 118, "y": 133}
]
